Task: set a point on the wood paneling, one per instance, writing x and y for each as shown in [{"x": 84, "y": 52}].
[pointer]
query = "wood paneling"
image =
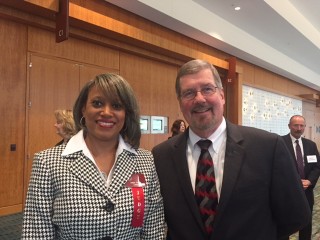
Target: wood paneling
[
  {"x": 40, "y": 41},
  {"x": 154, "y": 85},
  {"x": 233, "y": 94},
  {"x": 50, "y": 4},
  {"x": 142, "y": 32},
  {"x": 89, "y": 72},
  {"x": 247, "y": 76},
  {"x": 53, "y": 84},
  {"x": 261, "y": 78},
  {"x": 12, "y": 104},
  {"x": 108, "y": 20}
]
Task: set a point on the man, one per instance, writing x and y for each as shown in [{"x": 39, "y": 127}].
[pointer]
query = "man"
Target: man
[
  {"x": 260, "y": 196},
  {"x": 310, "y": 164}
]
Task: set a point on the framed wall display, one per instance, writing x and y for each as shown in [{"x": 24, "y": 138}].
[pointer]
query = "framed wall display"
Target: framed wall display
[
  {"x": 159, "y": 124},
  {"x": 267, "y": 110},
  {"x": 145, "y": 124}
]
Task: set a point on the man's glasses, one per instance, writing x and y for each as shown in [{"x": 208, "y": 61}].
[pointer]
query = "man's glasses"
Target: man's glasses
[{"x": 192, "y": 93}]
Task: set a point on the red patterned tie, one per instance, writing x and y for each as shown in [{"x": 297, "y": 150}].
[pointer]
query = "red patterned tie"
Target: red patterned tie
[
  {"x": 205, "y": 188},
  {"x": 299, "y": 160}
]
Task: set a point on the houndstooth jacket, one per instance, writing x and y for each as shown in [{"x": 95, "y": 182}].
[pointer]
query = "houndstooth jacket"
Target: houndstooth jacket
[{"x": 68, "y": 199}]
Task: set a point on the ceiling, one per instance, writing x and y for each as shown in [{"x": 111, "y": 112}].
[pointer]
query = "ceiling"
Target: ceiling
[{"x": 281, "y": 36}]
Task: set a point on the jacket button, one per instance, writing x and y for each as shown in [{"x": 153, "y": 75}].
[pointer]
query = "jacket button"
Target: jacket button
[{"x": 109, "y": 207}]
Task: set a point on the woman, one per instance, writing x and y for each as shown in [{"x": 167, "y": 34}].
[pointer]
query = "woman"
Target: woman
[
  {"x": 178, "y": 126},
  {"x": 100, "y": 185},
  {"x": 64, "y": 125}
]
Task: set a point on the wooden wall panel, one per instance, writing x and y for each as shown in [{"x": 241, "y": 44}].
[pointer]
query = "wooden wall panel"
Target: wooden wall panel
[
  {"x": 261, "y": 78},
  {"x": 247, "y": 76},
  {"x": 51, "y": 4},
  {"x": 145, "y": 33},
  {"x": 88, "y": 72},
  {"x": 53, "y": 84},
  {"x": 40, "y": 41},
  {"x": 12, "y": 104},
  {"x": 154, "y": 86},
  {"x": 232, "y": 93},
  {"x": 280, "y": 84},
  {"x": 297, "y": 89}
]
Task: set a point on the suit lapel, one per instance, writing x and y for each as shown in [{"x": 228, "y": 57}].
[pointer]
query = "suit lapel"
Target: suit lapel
[
  {"x": 84, "y": 169},
  {"x": 306, "y": 152},
  {"x": 306, "y": 149},
  {"x": 289, "y": 144},
  {"x": 233, "y": 160},
  {"x": 181, "y": 168},
  {"x": 124, "y": 168}
]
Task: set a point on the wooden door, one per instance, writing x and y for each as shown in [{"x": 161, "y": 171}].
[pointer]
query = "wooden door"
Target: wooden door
[
  {"x": 53, "y": 84},
  {"x": 12, "y": 102}
]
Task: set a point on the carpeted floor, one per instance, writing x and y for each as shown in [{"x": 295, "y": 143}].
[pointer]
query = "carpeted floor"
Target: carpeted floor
[{"x": 10, "y": 226}]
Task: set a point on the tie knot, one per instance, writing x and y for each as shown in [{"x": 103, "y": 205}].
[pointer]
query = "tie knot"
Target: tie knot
[
  {"x": 297, "y": 141},
  {"x": 204, "y": 144}
]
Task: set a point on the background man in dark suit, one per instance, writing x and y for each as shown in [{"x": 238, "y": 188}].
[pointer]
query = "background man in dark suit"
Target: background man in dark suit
[
  {"x": 311, "y": 163},
  {"x": 259, "y": 193}
]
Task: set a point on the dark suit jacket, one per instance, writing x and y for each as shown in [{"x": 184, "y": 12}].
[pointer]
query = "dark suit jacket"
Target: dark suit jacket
[
  {"x": 311, "y": 170},
  {"x": 261, "y": 197}
]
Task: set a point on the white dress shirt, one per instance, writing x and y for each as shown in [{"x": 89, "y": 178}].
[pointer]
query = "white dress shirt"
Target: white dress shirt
[
  {"x": 294, "y": 146},
  {"x": 217, "y": 151}
]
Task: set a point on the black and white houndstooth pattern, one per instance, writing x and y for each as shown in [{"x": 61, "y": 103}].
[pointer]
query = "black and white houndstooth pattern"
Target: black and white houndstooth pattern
[{"x": 68, "y": 199}]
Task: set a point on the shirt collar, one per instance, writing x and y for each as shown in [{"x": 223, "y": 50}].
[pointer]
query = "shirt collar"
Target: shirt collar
[
  {"x": 77, "y": 143},
  {"x": 293, "y": 139},
  {"x": 214, "y": 136}
]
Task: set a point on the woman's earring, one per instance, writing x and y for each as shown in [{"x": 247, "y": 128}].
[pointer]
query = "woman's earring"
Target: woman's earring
[{"x": 82, "y": 122}]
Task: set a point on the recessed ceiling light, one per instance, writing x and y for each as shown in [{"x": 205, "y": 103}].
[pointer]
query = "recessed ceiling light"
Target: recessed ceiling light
[{"x": 237, "y": 8}]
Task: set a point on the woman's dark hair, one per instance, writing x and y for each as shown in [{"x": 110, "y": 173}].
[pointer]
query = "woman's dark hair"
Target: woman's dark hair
[
  {"x": 175, "y": 129},
  {"x": 115, "y": 88}
]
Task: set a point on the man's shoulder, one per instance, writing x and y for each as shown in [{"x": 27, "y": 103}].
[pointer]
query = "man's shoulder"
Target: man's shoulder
[
  {"x": 287, "y": 136},
  {"x": 249, "y": 131},
  {"x": 165, "y": 144},
  {"x": 308, "y": 141}
]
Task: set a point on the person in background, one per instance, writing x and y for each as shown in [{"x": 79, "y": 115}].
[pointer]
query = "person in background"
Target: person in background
[
  {"x": 64, "y": 125},
  {"x": 101, "y": 185},
  {"x": 310, "y": 164},
  {"x": 221, "y": 181},
  {"x": 178, "y": 126}
]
